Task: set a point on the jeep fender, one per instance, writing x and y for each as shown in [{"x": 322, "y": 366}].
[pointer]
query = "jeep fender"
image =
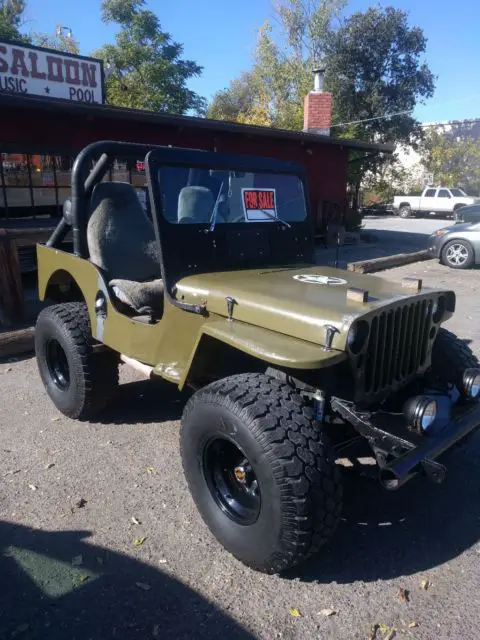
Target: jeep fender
[{"x": 268, "y": 346}]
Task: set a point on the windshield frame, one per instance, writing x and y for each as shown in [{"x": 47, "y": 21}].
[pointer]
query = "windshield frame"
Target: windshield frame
[{"x": 174, "y": 235}]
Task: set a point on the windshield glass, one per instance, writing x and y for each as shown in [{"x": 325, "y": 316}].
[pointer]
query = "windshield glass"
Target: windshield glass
[
  {"x": 191, "y": 195},
  {"x": 458, "y": 193}
]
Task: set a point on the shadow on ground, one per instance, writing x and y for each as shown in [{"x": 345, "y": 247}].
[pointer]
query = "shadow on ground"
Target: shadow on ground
[
  {"x": 145, "y": 401},
  {"x": 108, "y": 596},
  {"x": 385, "y": 535}
]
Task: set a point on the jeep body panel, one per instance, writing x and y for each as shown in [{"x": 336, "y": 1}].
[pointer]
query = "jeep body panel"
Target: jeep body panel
[
  {"x": 297, "y": 302},
  {"x": 171, "y": 344}
]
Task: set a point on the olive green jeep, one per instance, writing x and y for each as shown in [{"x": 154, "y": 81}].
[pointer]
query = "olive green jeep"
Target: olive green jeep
[{"x": 214, "y": 287}]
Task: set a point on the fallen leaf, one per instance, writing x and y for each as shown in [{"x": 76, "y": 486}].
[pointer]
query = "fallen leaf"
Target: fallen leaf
[
  {"x": 390, "y": 635},
  {"x": 413, "y": 624},
  {"x": 8, "y": 369},
  {"x": 49, "y": 466},
  {"x": 295, "y": 613},
  {"x": 425, "y": 584},
  {"x": 135, "y": 521},
  {"x": 328, "y": 612},
  {"x": 384, "y": 628},
  {"x": 55, "y": 419},
  {"x": 32, "y": 487},
  {"x": 84, "y": 577},
  {"x": 143, "y": 585},
  {"x": 77, "y": 561},
  {"x": 151, "y": 470},
  {"x": 139, "y": 541},
  {"x": 404, "y": 595},
  {"x": 80, "y": 503}
]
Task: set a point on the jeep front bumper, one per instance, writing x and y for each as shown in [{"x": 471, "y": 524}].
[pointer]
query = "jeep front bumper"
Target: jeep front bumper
[{"x": 411, "y": 457}]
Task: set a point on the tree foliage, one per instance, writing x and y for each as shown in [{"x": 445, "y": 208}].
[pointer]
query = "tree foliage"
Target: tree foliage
[
  {"x": 375, "y": 68},
  {"x": 453, "y": 157},
  {"x": 148, "y": 69},
  {"x": 59, "y": 41},
  {"x": 272, "y": 92},
  {"x": 11, "y": 15}
]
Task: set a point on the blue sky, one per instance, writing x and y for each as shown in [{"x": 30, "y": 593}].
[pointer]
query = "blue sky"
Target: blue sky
[{"x": 220, "y": 36}]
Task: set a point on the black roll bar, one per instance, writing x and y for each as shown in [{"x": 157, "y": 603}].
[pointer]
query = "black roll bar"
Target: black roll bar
[{"x": 83, "y": 182}]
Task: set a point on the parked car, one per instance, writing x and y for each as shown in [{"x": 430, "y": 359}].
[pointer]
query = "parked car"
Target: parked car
[
  {"x": 457, "y": 246},
  {"x": 433, "y": 201},
  {"x": 468, "y": 214},
  {"x": 378, "y": 209}
]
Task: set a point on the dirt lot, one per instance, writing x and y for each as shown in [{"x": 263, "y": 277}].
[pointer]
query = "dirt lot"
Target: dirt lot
[{"x": 101, "y": 540}]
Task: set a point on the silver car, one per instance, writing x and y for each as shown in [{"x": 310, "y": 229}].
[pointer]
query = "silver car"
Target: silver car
[{"x": 457, "y": 246}]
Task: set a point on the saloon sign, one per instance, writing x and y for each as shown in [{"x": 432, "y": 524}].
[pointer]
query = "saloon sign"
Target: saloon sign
[{"x": 26, "y": 70}]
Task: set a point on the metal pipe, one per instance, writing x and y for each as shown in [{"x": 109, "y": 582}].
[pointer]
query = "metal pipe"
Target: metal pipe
[
  {"x": 142, "y": 368},
  {"x": 58, "y": 234},
  {"x": 422, "y": 457}
]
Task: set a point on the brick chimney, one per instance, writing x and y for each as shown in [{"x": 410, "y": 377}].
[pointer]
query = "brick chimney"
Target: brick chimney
[{"x": 317, "y": 110}]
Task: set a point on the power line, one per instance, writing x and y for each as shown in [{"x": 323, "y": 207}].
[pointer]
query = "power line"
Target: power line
[{"x": 410, "y": 111}]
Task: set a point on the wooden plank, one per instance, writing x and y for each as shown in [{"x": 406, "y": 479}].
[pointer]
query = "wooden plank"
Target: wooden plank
[
  {"x": 11, "y": 290},
  {"x": 14, "y": 343},
  {"x": 387, "y": 262}
]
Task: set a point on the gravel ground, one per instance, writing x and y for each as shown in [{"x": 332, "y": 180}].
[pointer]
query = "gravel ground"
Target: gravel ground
[{"x": 71, "y": 569}]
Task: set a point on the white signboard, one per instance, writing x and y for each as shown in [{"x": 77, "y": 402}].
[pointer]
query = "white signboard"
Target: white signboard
[{"x": 26, "y": 70}]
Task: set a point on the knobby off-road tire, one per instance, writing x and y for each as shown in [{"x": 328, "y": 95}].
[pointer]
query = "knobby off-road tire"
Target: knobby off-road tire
[
  {"x": 79, "y": 382},
  {"x": 299, "y": 492},
  {"x": 450, "y": 357}
]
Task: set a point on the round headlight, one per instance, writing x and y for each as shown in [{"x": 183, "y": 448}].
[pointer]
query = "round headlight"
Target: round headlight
[
  {"x": 471, "y": 383},
  {"x": 357, "y": 336},
  {"x": 420, "y": 413}
]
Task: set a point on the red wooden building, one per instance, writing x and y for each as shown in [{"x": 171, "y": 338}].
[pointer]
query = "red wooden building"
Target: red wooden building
[{"x": 40, "y": 137}]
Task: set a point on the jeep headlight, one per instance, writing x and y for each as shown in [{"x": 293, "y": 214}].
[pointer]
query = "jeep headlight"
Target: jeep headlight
[
  {"x": 357, "y": 336},
  {"x": 420, "y": 413},
  {"x": 471, "y": 383}
]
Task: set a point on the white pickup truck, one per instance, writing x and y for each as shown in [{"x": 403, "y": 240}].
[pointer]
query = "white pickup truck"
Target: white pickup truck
[{"x": 433, "y": 201}]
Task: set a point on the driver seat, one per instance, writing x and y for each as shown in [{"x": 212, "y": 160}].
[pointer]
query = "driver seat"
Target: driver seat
[{"x": 121, "y": 242}]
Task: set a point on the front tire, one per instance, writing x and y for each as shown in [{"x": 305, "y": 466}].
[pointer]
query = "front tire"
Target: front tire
[
  {"x": 262, "y": 476},
  {"x": 405, "y": 211},
  {"x": 450, "y": 357},
  {"x": 458, "y": 254},
  {"x": 79, "y": 382}
]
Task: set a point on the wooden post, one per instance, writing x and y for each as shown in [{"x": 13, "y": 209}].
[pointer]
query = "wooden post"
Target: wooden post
[{"x": 11, "y": 291}]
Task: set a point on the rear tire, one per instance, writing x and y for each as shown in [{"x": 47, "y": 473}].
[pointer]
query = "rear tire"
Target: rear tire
[
  {"x": 458, "y": 254},
  {"x": 79, "y": 382},
  {"x": 405, "y": 211},
  {"x": 267, "y": 432}
]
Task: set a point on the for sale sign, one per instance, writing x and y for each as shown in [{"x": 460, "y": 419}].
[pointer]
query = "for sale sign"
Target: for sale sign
[
  {"x": 26, "y": 70},
  {"x": 259, "y": 204}
]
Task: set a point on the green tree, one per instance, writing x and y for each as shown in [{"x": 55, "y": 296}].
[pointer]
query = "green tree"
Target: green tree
[
  {"x": 11, "y": 19},
  {"x": 60, "y": 41},
  {"x": 281, "y": 75},
  {"x": 453, "y": 157},
  {"x": 148, "y": 70}
]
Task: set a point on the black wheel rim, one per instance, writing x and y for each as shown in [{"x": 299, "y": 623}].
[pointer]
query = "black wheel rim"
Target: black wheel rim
[
  {"x": 57, "y": 364},
  {"x": 232, "y": 481}
]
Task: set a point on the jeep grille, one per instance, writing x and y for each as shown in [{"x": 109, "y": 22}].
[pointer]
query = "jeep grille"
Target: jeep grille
[{"x": 397, "y": 346}]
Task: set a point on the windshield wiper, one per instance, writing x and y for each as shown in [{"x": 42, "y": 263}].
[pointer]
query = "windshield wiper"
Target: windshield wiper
[
  {"x": 213, "y": 219},
  {"x": 279, "y": 220}
]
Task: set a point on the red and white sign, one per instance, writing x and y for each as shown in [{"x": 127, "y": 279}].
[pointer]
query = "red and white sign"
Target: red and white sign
[
  {"x": 259, "y": 204},
  {"x": 26, "y": 70}
]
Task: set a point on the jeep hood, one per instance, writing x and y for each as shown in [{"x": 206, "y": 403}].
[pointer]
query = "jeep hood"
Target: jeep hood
[{"x": 298, "y": 302}]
